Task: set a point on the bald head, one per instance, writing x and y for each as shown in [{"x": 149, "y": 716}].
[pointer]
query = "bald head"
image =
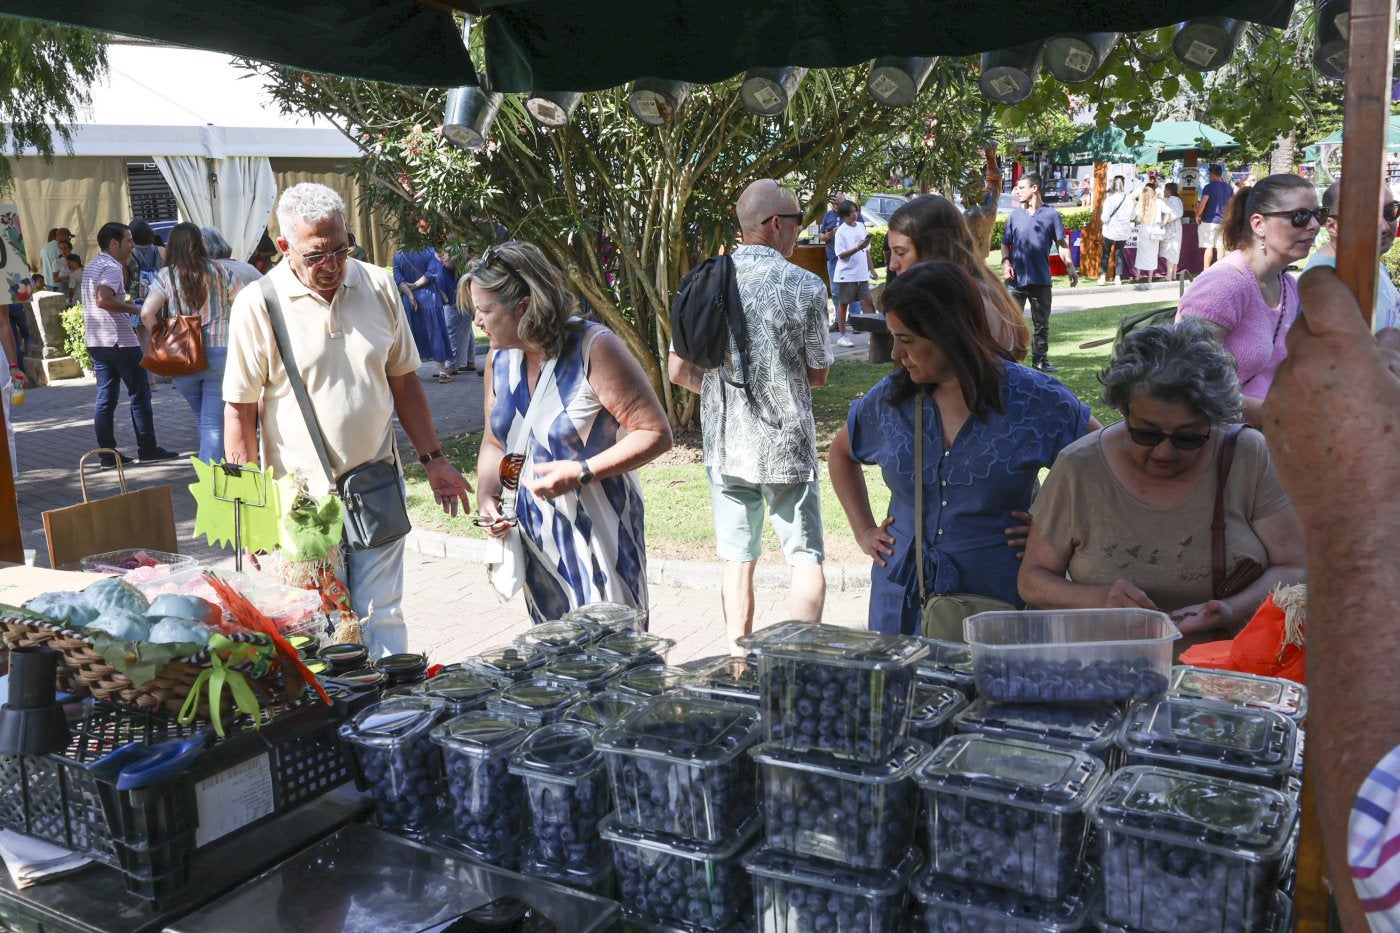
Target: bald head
[{"x": 762, "y": 200}]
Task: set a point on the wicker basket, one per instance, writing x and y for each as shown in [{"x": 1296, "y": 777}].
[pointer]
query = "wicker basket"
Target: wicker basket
[{"x": 84, "y": 670}]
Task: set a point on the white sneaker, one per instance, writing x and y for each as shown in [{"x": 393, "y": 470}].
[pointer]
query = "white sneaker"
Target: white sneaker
[{"x": 844, "y": 341}]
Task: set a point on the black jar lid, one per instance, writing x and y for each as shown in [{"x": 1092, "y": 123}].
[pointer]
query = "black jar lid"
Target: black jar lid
[
  {"x": 363, "y": 678},
  {"x": 345, "y": 657},
  {"x": 403, "y": 668}
]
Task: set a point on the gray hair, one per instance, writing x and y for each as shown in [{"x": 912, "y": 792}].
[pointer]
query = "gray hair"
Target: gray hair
[
  {"x": 215, "y": 243},
  {"x": 515, "y": 270},
  {"x": 1183, "y": 364},
  {"x": 309, "y": 203}
]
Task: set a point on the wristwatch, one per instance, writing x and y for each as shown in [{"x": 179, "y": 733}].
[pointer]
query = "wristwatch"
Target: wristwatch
[{"x": 585, "y": 475}]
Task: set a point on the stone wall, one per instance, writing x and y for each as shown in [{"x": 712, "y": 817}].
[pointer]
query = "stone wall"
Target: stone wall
[{"x": 47, "y": 360}]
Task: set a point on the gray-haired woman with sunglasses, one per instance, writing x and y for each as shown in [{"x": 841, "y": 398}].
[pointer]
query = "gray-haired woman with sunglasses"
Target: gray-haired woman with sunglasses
[
  {"x": 1248, "y": 299},
  {"x": 1124, "y": 518},
  {"x": 1387, "y": 309}
]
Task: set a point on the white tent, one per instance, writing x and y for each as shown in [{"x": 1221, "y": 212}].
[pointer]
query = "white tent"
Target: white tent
[{"x": 221, "y": 144}]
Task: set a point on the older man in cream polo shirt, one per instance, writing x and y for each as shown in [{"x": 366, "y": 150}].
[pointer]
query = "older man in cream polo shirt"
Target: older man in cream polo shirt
[{"x": 357, "y": 358}]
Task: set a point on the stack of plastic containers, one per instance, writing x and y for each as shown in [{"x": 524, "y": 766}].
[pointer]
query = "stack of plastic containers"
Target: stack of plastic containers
[
  {"x": 397, "y": 761},
  {"x": 566, "y": 795},
  {"x": 839, "y": 803},
  {"x": 685, "y": 797},
  {"x": 486, "y": 801}
]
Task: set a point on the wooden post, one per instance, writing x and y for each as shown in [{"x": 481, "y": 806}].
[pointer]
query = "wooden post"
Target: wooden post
[
  {"x": 1091, "y": 242},
  {"x": 1191, "y": 194},
  {"x": 1366, "y": 120}
]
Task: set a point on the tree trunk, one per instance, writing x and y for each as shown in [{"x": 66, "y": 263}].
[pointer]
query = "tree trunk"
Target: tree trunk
[
  {"x": 1091, "y": 242},
  {"x": 986, "y": 220},
  {"x": 1281, "y": 160}
]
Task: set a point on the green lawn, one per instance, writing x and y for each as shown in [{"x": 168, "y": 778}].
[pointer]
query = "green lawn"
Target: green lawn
[{"x": 679, "y": 521}]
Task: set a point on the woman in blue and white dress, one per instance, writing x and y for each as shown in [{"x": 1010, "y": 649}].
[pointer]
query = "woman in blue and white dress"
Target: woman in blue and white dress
[{"x": 567, "y": 395}]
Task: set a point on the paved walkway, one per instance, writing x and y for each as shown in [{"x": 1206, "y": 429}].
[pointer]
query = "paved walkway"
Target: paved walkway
[{"x": 451, "y": 609}]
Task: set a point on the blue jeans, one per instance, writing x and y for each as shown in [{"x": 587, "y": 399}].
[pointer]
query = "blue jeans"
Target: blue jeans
[
  {"x": 205, "y": 394},
  {"x": 459, "y": 330},
  {"x": 374, "y": 578},
  {"x": 117, "y": 366}
]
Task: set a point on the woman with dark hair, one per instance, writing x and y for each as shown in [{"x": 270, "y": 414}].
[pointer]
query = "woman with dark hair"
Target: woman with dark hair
[
  {"x": 989, "y": 426},
  {"x": 1124, "y": 518},
  {"x": 1247, "y": 299},
  {"x": 931, "y": 227},
  {"x": 192, "y": 283},
  {"x": 567, "y": 397}
]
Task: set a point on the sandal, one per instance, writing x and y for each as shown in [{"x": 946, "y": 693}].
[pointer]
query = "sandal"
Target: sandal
[{"x": 443, "y": 376}]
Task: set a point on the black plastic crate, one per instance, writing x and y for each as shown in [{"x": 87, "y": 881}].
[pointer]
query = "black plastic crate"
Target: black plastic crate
[{"x": 149, "y": 834}]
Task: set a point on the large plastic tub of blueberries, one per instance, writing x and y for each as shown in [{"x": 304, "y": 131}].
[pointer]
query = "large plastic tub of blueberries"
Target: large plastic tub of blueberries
[
  {"x": 832, "y": 689},
  {"x": 1008, "y": 813},
  {"x": 678, "y": 766},
  {"x": 1086, "y": 727},
  {"x": 1206, "y": 737},
  {"x": 839, "y": 810},
  {"x": 487, "y": 802},
  {"x": 1185, "y": 852},
  {"x": 792, "y": 893},
  {"x": 1272, "y": 693},
  {"x": 566, "y": 792},
  {"x": 951, "y": 905},
  {"x": 397, "y": 761},
  {"x": 667, "y": 880},
  {"x": 1071, "y": 655}
]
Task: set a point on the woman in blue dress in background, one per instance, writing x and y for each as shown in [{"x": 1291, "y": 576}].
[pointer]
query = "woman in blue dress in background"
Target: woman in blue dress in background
[
  {"x": 990, "y": 426},
  {"x": 595, "y": 420},
  {"x": 416, "y": 272}
]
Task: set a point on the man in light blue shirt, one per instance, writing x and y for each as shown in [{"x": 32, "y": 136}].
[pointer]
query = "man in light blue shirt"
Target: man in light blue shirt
[{"x": 1387, "y": 312}]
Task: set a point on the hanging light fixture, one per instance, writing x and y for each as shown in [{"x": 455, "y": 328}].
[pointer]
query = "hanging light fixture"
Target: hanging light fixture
[
  {"x": 896, "y": 81},
  {"x": 768, "y": 91},
  {"x": 469, "y": 115},
  {"x": 655, "y": 101},
  {"x": 1333, "y": 30},
  {"x": 1008, "y": 76},
  {"x": 553, "y": 108},
  {"x": 1206, "y": 43},
  {"x": 1076, "y": 56}
]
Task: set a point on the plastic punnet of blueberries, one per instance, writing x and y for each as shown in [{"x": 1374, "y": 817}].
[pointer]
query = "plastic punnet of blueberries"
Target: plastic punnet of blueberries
[
  {"x": 600, "y": 709},
  {"x": 587, "y": 672},
  {"x": 1206, "y": 737},
  {"x": 734, "y": 679},
  {"x": 793, "y": 893},
  {"x": 614, "y": 617},
  {"x": 1271, "y": 693},
  {"x": 934, "y": 711},
  {"x": 566, "y": 636},
  {"x": 649, "y": 680},
  {"x": 461, "y": 691},
  {"x": 508, "y": 662},
  {"x": 953, "y": 905},
  {"x": 635, "y": 649},
  {"x": 396, "y": 759},
  {"x": 566, "y": 788},
  {"x": 487, "y": 801},
  {"x": 534, "y": 702}
]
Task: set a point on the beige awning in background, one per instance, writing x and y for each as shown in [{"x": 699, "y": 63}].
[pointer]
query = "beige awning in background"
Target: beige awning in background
[{"x": 78, "y": 192}]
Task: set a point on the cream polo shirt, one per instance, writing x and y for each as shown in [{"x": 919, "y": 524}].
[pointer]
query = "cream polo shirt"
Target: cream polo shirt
[{"x": 347, "y": 350}]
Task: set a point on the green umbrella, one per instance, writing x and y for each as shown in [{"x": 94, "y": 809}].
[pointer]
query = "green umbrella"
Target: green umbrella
[
  {"x": 1392, "y": 138},
  {"x": 1173, "y": 139},
  {"x": 1097, "y": 145}
]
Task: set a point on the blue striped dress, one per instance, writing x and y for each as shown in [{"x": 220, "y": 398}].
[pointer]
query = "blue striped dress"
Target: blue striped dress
[{"x": 587, "y": 545}]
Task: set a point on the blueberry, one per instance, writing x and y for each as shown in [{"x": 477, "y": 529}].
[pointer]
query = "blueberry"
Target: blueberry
[
  {"x": 1158, "y": 885},
  {"x": 404, "y": 780},
  {"x": 1019, "y": 680},
  {"x": 669, "y": 888},
  {"x": 852, "y": 712}
]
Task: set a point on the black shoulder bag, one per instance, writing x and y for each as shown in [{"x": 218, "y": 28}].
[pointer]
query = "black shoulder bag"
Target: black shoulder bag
[{"x": 371, "y": 493}]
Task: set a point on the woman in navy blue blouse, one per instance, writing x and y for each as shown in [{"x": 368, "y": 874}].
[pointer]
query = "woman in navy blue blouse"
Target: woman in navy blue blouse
[{"x": 990, "y": 426}]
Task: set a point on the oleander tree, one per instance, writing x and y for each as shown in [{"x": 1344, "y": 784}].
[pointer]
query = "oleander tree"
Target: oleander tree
[
  {"x": 626, "y": 209},
  {"x": 44, "y": 86}
]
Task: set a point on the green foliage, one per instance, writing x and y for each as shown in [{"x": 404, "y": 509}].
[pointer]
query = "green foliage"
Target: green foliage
[
  {"x": 44, "y": 85},
  {"x": 877, "y": 245},
  {"x": 1076, "y": 218},
  {"x": 75, "y": 336}
]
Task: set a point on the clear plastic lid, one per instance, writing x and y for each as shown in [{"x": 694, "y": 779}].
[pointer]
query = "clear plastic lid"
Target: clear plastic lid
[
  {"x": 907, "y": 756},
  {"x": 684, "y": 729},
  {"x": 766, "y": 862},
  {"x": 612, "y": 830},
  {"x": 834, "y": 644},
  {"x": 479, "y": 734},
  {"x": 1184, "y": 732},
  {"x": 461, "y": 687},
  {"x": 1089, "y": 726},
  {"x": 1275, "y": 693},
  {"x": 584, "y": 671},
  {"x": 612, "y": 616},
  {"x": 1215, "y": 814},
  {"x": 513, "y": 661},
  {"x": 935, "y": 704},
  {"x": 1023, "y": 774},
  {"x": 984, "y": 905},
  {"x": 947, "y": 662},
  {"x": 731, "y": 678},
  {"x": 563, "y": 752},
  {"x": 601, "y": 709},
  {"x": 536, "y": 696},
  {"x": 630, "y": 645},
  {"x": 650, "y": 680},
  {"x": 392, "y": 722},
  {"x": 561, "y": 637}
]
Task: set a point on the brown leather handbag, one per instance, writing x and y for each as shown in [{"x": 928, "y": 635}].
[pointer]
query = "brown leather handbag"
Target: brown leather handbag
[
  {"x": 176, "y": 346},
  {"x": 1224, "y": 585}
]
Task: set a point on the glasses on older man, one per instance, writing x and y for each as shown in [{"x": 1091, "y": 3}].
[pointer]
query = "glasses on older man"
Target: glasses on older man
[
  {"x": 797, "y": 217},
  {"x": 511, "y": 466},
  {"x": 1299, "y": 217},
  {"x": 320, "y": 259}
]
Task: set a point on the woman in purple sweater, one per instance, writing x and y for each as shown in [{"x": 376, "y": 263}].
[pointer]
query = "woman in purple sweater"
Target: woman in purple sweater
[{"x": 1247, "y": 298}]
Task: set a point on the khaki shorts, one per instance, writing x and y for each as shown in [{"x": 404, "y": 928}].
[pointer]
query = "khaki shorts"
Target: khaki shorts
[
  {"x": 1210, "y": 236},
  {"x": 847, "y": 292},
  {"x": 794, "y": 509}
]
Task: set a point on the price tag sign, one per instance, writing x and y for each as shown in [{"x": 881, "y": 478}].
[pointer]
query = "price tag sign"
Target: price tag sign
[{"x": 1190, "y": 177}]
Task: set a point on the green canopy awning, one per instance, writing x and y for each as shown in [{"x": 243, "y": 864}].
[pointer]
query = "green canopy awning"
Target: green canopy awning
[
  {"x": 1173, "y": 139},
  {"x": 584, "y": 45},
  {"x": 1392, "y": 139},
  {"x": 1097, "y": 145}
]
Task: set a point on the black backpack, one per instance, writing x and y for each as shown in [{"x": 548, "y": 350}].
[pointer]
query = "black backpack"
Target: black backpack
[{"x": 706, "y": 314}]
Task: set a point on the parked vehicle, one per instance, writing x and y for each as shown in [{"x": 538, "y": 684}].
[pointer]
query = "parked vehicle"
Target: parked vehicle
[
  {"x": 883, "y": 204},
  {"x": 1060, "y": 190}
]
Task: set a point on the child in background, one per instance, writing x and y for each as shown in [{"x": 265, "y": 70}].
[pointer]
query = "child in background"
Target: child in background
[
  {"x": 75, "y": 278},
  {"x": 854, "y": 266}
]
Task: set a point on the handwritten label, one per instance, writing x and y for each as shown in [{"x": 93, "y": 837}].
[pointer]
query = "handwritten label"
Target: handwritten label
[{"x": 233, "y": 798}]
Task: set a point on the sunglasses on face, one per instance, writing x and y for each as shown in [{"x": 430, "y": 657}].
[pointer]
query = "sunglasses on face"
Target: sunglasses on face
[
  {"x": 493, "y": 257},
  {"x": 796, "y": 217},
  {"x": 1151, "y": 437},
  {"x": 1390, "y": 212},
  {"x": 1299, "y": 217},
  {"x": 319, "y": 259}
]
